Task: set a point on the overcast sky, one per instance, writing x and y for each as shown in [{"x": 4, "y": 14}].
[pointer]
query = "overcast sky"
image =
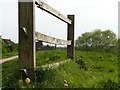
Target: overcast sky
[{"x": 89, "y": 15}]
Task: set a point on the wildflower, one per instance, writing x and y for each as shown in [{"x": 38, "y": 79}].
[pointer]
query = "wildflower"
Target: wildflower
[
  {"x": 66, "y": 85},
  {"x": 27, "y": 80},
  {"x": 20, "y": 81},
  {"x": 65, "y": 81}
]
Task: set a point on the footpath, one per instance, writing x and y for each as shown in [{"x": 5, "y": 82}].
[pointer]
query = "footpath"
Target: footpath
[{"x": 8, "y": 59}]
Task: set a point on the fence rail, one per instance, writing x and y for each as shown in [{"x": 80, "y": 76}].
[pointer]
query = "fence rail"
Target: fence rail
[
  {"x": 49, "y": 9},
  {"x": 49, "y": 39},
  {"x": 27, "y": 34}
]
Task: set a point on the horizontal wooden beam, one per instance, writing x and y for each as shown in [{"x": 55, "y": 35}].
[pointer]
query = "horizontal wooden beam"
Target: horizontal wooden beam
[
  {"x": 52, "y": 11},
  {"x": 49, "y": 39}
]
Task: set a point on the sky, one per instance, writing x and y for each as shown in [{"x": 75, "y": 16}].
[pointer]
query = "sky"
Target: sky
[{"x": 89, "y": 15}]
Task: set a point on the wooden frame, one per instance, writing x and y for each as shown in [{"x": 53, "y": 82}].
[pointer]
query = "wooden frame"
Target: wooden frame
[{"x": 27, "y": 34}]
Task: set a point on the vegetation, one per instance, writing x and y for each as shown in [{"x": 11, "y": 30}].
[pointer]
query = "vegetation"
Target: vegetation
[
  {"x": 102, "y": 41},
  {"x": 9, "y": 50},
  {"x": 0, "y": 47},
  {"x": 47, "y": 57},
  {"x": 94, "y": 66},
  {"x": 10, "y": 74},
  {"x": 88, "y": 70}
]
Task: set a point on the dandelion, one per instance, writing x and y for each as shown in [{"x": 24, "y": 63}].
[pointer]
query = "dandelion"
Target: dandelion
[
  {"x": 65, "y": 81},
  {"x": 65, "y": 85},
  {"x": 27, "y": 80},
  {"x": 20, "y": 81}
]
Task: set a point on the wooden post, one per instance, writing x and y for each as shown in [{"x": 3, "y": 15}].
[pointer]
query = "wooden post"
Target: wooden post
[
  {"x": 70, "y": 36},
  {"x": 26, "y": 28}
]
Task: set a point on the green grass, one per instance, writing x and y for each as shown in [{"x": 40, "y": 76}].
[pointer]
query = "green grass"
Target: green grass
[
  {"x": 88, "y": 70},
  {"x": 7, "y": 55},
  {"x": 47, "y": 57},
  {"x": 10, "y": 73}
]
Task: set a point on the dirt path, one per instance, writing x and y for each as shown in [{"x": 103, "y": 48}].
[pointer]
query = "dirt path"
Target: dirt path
[{"x": 8, "y": 59}]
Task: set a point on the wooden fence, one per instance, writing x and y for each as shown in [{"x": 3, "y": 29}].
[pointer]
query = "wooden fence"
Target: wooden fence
[{"x": 27, "y": 34}]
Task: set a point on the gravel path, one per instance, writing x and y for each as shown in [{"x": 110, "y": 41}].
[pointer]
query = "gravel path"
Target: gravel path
[{"x": 8, "y": 59}]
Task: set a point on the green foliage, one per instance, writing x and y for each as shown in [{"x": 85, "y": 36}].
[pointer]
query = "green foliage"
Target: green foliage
[
  {"x": 81, "y": 63},
  {"x": 0, "y": 47},
  {"x": 45, "y": 57},
  {"x": 111, "y": 84},
  {"x": 88, "y": 70},
  {"x": 97, "y": 41},
  {"x": 9, "y": 50},
  {"x": 48, "y": 78},
  {"x": 118, "y": 43},
  {"x": 10, "y": 74}
]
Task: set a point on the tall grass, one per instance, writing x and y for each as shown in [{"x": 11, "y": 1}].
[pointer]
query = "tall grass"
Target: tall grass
[
  {"x": 47, "y": 57},
  {"x": 88, "y": 70}
]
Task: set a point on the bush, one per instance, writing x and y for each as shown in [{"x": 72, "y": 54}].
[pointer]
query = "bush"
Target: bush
[
  {"x": 9, "y": 50},
  {"x": 81, "y": 63}
]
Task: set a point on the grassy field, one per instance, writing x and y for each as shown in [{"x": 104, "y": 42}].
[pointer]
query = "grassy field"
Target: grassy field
[
  {"x": 7, "y": 55},
  {"x": 47, "y": 57},
  {"x": 88, "y": 70}
]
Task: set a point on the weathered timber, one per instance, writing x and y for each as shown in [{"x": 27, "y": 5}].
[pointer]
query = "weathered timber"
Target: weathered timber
[
  {"x": 70, "y": 36},
  {"x": 26, "y": 28},
  {"x": 51, "y": 10},
  {"x": 27, "y": 34},
  {"x": 49, "y": 39}
]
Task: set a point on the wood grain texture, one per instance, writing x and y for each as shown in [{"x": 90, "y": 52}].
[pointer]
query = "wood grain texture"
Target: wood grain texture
[
  {"x": 49, "y": 39},
  {"x": 51, "y": 10},
  {"x": 70, "y": 36},
  {"x": 26, "y": 36}
]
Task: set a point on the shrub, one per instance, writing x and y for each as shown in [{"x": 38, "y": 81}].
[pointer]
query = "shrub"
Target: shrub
[{"x": 81, "y": 63}]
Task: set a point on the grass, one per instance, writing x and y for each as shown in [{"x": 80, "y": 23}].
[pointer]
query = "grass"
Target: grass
[
  {"x": 48, "y": 57},
  {"x": 9, "y": 72},
  {"x": 88, "y": 70},
  {"x": 7, "y": 55}
]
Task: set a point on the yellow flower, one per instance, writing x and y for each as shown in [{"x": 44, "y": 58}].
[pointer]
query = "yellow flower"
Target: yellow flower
[
  {"x": 27, "y": 80},
  {"x": 66, "y": 85},
  {"x": 65, "y": 81},
  {"x": 20, "y": 81}
]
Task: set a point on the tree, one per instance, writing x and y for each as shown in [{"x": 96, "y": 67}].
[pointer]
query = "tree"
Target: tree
[
  {"x": 84, "y": 40},
  {"x": 96, "y": 40}
]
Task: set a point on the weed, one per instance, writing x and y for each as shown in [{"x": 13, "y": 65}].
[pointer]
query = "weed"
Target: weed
[
  {"x": 81, "y": 63},
  {"x": 89, "y": 70}
]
